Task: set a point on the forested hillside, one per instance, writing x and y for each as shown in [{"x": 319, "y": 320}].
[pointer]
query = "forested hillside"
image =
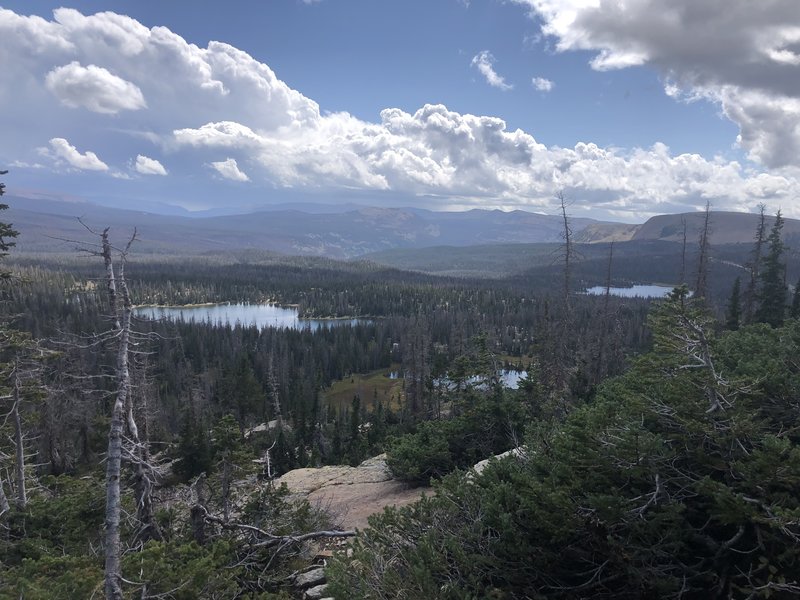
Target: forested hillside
[{"x": 656, "y": 454}]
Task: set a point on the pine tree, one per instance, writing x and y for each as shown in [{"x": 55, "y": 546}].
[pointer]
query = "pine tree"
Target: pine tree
[
  {"x": 794, "y": 311},
  {"x": 772, "y": 307},
  {"x": 751, "y": 292},
  {"x": 7, "y": 232},
  {"x": 733, "y": 314}
]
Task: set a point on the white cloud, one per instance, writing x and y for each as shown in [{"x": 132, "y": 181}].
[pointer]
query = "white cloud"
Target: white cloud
[
  {"x": 21, "y": 164},
  {"x": 542, "y": 84},
  {"x": 188, "y": 84},
  {"x": 230, "y": 170},
  {"x": 225, "y": 134},
  {"x": 220, "y": 102},
  {"x": 484, "y": 62},
  {"x": 149, "y": 166},
  {"x": 62, "y": 150},
  {"x": 742, "y": 55},
  {"x": 477, "y": 161},
  {"x": 93, "y": 88}
]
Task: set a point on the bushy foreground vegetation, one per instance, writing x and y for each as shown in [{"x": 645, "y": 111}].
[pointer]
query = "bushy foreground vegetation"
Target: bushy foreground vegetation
[{"x": 679, "y": 479}]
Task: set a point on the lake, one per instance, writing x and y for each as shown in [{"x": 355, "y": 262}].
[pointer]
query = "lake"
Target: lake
[
  {"x": 635, "y": 291},
  {"x": 230, "y": 315}
]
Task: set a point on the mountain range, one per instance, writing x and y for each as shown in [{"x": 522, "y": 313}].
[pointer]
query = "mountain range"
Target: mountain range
[{"x": 48, "y": 225}]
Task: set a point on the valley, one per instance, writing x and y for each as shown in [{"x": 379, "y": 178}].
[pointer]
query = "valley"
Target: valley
[{"x": 301, "y": 395}]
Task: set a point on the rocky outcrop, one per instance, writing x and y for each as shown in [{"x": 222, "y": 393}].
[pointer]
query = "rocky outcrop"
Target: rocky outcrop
[
  {"x": 317, "y": 592},
  {"x": 515, "y": 452},
  {"x": 314, "y": 577},
  {"x": 352, "y": 494}
]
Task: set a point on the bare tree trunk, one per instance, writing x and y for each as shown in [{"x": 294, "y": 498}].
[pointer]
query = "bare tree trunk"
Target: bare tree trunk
[
  {"x": 113, "y": 572},
  {"x": 268, "y": 460},
  {"x": 22, "y": 494},
  {"x": 111, "y": 284},
  {"x": 701, "y": 284},
  {"x": 143, "y": 473},
  {"x": 567, "y": 235},
  {"x": 562, "y": 355},
  {"x": 198, "y": 511},
  {"x": 227, "y": 476},
  {"x": 4, "y": 505},
  {"x": 683, "y": 252}
]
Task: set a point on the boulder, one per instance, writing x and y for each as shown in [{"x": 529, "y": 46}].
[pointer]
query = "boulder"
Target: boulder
[
  {"x": 515, "y": 452},
  {"x": 314, "y": 577},
  {"x": 351, "y": 493},
  {"x": 316, "y": 593}
]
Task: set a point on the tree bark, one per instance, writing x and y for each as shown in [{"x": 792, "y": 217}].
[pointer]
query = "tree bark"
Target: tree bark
[
  {"x": 701, "y": 284},
  {"x": 113, "y": 572},
  {"x": 22, "y": 493},
  {"x": 4, "y": 505},
  {"x": 567, "y": 235},
  {"x": 683, "y": 252}
]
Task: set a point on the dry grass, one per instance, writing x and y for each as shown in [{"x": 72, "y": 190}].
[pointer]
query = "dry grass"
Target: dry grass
[{"x": 368, "y": 386}]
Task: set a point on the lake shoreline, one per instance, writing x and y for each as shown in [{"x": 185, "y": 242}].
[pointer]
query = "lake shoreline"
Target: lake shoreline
[{"x": 231, "y": 314}]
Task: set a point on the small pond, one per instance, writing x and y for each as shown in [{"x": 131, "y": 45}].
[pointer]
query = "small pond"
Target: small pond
[
  {"x": 508, "y": 378},
  {"x": 230, "y": 315},
  {"x": 636, "y": 291}
]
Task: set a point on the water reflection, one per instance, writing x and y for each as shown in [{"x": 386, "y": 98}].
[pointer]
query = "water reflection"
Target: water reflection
[
  {"x": 246, "y": 315},
  {"x": 635, "y": 291}
]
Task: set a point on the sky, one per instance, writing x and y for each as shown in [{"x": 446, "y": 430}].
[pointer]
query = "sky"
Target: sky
[{"x": 629, "y": 107}]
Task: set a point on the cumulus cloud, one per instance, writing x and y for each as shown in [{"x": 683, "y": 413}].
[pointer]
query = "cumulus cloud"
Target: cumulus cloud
[
  {"x": 476, "y": 160},
  {"x": 743, "y": 56},
  {"x": 239, "y": 108},
  {"x": 93, "y": 88},
  {"x": 131, "y": 66},
  {"x": 62, "y": 150},
  {"x": 230, "y": 170},
  {"x": 542, "y": 84},
  {"x": 148, "y": 166},
  {"x": 484, "y": 62}
]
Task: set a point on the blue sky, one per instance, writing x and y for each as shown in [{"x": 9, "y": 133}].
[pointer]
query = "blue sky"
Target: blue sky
[{"x": 639, "y": 109}]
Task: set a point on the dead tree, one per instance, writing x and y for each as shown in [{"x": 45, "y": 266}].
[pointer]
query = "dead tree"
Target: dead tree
[
  {"x": 21, "y": 377},
  {"x": 567, "y": 250},
  {"x": 561, "y": 358},
  {"x": 683, "y": 251},
  {"x": 144, "y": 469},
  {"x": 122, "y": 331},
  {"x": 129, "y": 447},
  {"x": 701, "y": 282},
  {"x": 17, "y": 438},
  {"x": 4, "y": 505},
  {"x": 22, "y": 492}
]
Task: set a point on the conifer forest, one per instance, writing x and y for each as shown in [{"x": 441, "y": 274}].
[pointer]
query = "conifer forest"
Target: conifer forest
[{"x": 648, "y": 448}]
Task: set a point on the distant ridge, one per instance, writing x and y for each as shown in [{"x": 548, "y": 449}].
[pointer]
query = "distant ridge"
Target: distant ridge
[
  {"x": 347, "y": 234},
  {"x": 350, "y": 231},
  {"x": 726, "y": 227}
]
